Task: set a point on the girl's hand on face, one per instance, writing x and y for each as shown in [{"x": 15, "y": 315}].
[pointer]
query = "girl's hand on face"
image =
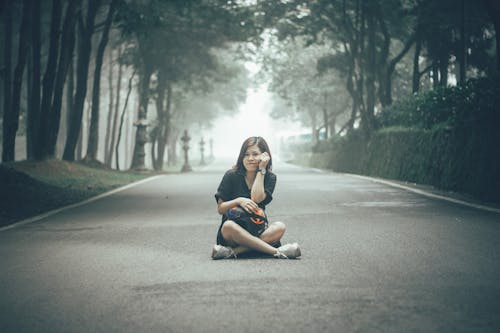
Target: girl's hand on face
[
  {"x": 264, "y": 160},
  {"x": 247, "y": 204}
]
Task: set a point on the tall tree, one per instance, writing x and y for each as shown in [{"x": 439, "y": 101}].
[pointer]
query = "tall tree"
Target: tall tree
[
  {"x": 63, "y": 66},
  {"x": 85, "y": 32},
  {"x": 109, "y": 121},
  {"x": 160, "y": 134},
  {"x": 361, "y": 34},
  {"x": 175, "y": 35},
  {"x": 304, "y": 94},
  {"x": 49, "y": 78},
  {"x": 9, "y": 121},
  {"x": 116, "y": 112},
  {"x": 96, "y": 88},
  {"x": 122, "y": 119},
  {"x": 371, "y": 38},
  {"x": 33, "y": 144}
]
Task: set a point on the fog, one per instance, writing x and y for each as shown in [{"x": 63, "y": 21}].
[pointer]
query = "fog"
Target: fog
[{"x": 252, "y": 119}]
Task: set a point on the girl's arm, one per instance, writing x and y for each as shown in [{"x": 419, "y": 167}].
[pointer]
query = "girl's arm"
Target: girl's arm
[
  {"x": 258, "y": 194},
  {"x": 245, "y": 203}
]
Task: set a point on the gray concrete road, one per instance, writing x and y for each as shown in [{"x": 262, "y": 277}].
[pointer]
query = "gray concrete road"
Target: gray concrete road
[{"x": 375, "y": 259}]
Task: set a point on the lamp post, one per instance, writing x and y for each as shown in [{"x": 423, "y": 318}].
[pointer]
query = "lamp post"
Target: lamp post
[
  {"x": 202, "y": 151},
  {"x": 141, "y": 140},
  {"x": 185, "y": 146}
]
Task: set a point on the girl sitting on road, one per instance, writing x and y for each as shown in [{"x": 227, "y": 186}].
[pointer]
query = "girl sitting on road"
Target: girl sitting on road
[{"x": 249, "y": 185}]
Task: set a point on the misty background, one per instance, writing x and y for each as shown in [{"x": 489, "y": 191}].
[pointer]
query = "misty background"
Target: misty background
[{"x": 116, "y": 83}]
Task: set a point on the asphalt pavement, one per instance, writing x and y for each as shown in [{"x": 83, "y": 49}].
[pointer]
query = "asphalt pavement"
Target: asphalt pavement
[{"x": 375, "y": 258}]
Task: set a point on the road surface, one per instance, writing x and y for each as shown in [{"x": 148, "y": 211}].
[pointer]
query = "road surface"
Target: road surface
[{"x": 374, "y": 259}]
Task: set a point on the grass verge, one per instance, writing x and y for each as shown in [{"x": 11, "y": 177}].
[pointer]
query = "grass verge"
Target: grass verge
[{"x": 30, "y": 188}]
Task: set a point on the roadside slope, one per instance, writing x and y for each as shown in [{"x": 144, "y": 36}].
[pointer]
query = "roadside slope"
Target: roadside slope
[{"x": 30, "y": 188}]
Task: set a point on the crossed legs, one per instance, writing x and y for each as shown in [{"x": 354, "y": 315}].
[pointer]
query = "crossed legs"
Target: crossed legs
[{"x": 242, "y": 241}]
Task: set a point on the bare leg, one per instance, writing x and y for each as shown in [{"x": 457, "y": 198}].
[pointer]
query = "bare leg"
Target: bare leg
[
  {"x": 242, "y": 241},
  {"x": 273, "y": 233}
]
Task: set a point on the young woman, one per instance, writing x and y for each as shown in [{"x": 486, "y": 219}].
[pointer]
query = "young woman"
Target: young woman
[{"x": 249, "y": 185}]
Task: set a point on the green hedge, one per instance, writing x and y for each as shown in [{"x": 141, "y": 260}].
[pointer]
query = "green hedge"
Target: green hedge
[
  {"x": 449, "y": 138},
  {"x": 447, "y": 159}
]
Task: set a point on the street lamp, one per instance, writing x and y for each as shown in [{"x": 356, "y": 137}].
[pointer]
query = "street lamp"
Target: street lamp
[
  {"x": 140, "y": 142},
  {"x": 185, "y": 146}
]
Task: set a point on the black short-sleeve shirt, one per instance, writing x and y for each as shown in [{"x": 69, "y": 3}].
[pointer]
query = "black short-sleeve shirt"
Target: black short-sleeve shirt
[{"x": 233, "y": 185}]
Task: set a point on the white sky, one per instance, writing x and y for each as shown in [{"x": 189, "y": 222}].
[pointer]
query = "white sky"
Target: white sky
[{"x": 252, "y": 119}]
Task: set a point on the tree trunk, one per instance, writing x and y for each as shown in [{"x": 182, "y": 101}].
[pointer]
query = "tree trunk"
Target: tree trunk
[
  {"x": 96, "y": 90},
  {"x": 122, "y": 120},
  {"x": 383, "y": 73},
  {"x": 463, "y": 46},
  {"x": 371, "y": 69},
  {"x": 153, "y": 137},
  {"x": 355, "y": 108},
  {"x": 353, "y": 46},
  {"x": 332, "y": 124},
  {"x": 416, "y": 67},
  {"x": 109, "y": 124},
  {"x": 443, "y": 70},
  {"x": 49, "y": 77},
  {"x": 325, "y": 114},
  {"x": 116, "y": 112},
  {"x": 70, "y": 90},
  {"x": 155, "y": 133},
  {"x": 164, "y": 94},
  {"x": 392, "y": 67},
  {"x": 164, "y": 130},
  {"x": 34, "y": 146},
  {"x": 493, "y": 7},
  {"x": 9, "y": 129},
  {"x": 19, "y": 71},
  {"x": 63, "y": 66},
  {"x": 435, "y": 75},
  {"x": 84, "y": 49}
]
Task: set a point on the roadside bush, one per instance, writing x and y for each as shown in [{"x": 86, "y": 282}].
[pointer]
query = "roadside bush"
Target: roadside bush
[
  {"x": 448, "y": 138},
  {"x": 444, "y": 107}
]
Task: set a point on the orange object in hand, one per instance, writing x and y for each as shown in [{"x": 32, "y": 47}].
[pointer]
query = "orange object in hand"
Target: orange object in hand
[{"x": 261, "y": 216}]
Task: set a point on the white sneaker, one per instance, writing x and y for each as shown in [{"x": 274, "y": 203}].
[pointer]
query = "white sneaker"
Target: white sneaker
[
  {"x": 288, "y": 251},
  {"x": 222, "y": 252}
]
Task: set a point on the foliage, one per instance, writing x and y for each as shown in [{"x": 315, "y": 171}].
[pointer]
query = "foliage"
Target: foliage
[
  {"x": 445, "y": 107},
  {"x": 358, "y": 37},
  {"x": 448, "y": 159},
  {"x": 333, "y": 56},
  {"x": 441, "y": 33},
  {"x": 382, "y": 49},
  {"x": 178, "y": 36},
  {"x": 302, "y": 94},
  {"x": 177, "y": 41},
  {"x": 447, "y": 138}
]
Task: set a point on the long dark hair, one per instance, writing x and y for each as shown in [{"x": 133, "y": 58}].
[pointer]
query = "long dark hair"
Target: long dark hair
[{"x": 261, "y": 143}]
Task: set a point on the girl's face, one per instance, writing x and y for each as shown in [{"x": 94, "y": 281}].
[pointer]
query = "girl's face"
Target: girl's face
[{"x": 252, "y": 158}]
